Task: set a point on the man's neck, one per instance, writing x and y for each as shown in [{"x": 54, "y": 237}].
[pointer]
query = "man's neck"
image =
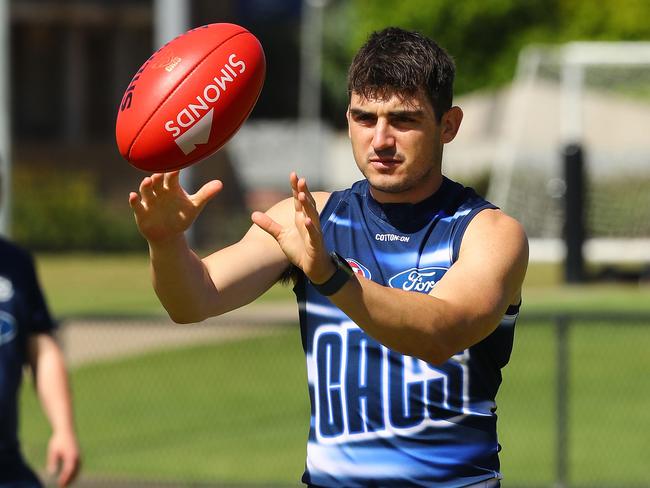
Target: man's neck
[{"x": 414, "y": 195}]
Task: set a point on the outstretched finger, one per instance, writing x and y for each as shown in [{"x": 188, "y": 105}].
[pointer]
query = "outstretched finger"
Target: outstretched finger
[
  {"x": 293, "y": 181},
  {"x": 135, "y": 203},
  {"x": 206, "y": 192},
  {"x": 312, "y": 225},
  {"x": 308, "y": 205},
  {"x": 267, "y": 224},
  {"x": 158, "y": 182},
  {"x": 315, "y": 234},
  {"x": 172, "y": 180},
  {"x": 146, "y": 190},
  {"x": 302, "y": 187}
]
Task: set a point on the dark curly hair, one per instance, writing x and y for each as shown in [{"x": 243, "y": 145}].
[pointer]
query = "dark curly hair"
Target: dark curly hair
[{"x": 397, "y": 61}]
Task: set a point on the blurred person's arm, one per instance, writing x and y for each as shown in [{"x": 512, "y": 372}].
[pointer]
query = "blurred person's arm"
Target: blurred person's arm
[{"x": 51, "y": 381}]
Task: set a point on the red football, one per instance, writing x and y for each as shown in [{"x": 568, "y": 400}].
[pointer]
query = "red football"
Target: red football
[{"x": 190, "y": 97}]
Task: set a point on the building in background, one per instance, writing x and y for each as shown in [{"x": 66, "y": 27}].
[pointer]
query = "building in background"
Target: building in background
[{"x": 70, "y": 63}]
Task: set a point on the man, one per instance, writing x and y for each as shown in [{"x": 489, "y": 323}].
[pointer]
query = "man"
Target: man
[
  {"x": 26, "y": 329},
  {"x": 407, "y": 327}
]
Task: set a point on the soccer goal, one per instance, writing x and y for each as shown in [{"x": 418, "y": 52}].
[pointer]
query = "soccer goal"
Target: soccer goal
[{"x": 594, "y": 96}]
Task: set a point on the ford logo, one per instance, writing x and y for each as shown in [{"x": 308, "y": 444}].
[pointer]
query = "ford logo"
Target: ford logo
[{"x": 421, "y": 280}]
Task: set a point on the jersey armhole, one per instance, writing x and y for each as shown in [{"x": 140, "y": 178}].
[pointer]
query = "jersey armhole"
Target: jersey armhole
[
  {"x": 461, "y": 227},
  {"x": 330, "y": 207}
]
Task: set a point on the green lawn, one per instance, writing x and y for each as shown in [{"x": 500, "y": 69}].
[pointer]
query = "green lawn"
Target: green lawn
[
  {"x": 608, "y": 405},
  {"x": 107, "y": 285},
  {"x": 119, "y": 285},
  {"x": 239, "y": 411},
  {"x": 544, "y": 291},
  {"x": 235, "y": 411}
]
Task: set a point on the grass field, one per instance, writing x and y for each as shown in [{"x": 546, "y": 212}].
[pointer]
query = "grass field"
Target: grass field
[
  {"x": 230, "y": 412},
  {"x": 239, "y": 412},
  {"x": 113, "y": 285},
  {"x": 106, "y": 285},
  {"x": 608, "y": 399}
]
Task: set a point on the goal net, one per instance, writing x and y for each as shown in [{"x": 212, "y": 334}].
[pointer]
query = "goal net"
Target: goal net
[{"x": 596, "y": 95}]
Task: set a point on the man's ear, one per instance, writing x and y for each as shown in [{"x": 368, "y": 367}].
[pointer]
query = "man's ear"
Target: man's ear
[
  {"x": 450, "y": 124},
  {"x": 347, "y": 116}
]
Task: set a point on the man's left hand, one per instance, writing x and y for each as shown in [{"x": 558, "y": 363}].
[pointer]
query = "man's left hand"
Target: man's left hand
[{"x": 303, "y": 241}]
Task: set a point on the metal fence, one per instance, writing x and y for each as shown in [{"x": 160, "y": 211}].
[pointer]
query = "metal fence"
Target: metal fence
[
  {"x": 588, "y": 422},
  {"x": 225, "y": 403}
]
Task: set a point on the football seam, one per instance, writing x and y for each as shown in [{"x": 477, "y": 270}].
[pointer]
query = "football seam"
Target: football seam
[{"x": 196, "y": 66}]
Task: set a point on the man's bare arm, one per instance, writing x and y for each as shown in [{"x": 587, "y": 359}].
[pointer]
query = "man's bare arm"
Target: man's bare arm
[
  {"x": 190, "y": 288},
  {"x": 464, "y": 307}
]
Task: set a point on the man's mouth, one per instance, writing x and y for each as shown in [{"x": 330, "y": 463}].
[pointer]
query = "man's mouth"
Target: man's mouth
[{"x": 384, "y": 163}]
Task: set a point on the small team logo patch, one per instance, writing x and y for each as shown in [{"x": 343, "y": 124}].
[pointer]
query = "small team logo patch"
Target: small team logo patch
[
  {"x": 358, "y": 268},
  {"x": 7, "y": 328},
  {"x": 417, "y": 279},
  {"x": 6, "y": 289}
]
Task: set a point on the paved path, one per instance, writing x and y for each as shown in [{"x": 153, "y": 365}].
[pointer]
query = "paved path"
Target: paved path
[{"x": 90, "y": 340}]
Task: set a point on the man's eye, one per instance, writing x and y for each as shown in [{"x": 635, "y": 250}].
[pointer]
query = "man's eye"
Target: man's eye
[
  {"x": 404, "y": 120},
  {"x": 365, "y": 119}
]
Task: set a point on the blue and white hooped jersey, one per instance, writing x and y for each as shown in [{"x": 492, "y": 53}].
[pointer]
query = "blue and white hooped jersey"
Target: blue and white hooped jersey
[{"x": 379, "y": 418}]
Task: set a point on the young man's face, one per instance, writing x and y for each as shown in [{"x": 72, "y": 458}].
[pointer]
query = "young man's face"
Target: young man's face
[{"x": 397, "y": 144}]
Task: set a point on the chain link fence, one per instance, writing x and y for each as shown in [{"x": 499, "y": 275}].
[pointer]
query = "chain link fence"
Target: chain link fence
[{"x": 224, "y": 403}]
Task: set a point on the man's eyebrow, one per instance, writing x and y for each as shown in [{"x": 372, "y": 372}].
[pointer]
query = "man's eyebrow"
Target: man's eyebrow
[
  {"x": 393, "y": 113},
  {"x": 406, "y": 113},
  {"x": 358, "y": 111}
]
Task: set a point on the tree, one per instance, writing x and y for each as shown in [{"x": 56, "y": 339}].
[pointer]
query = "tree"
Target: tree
[{"x": 483, "y": 36}]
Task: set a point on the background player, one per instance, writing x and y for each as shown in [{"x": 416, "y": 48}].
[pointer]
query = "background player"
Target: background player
[
  {"x": 404, "y": 357},
  {"x": 26, "y": 329}
]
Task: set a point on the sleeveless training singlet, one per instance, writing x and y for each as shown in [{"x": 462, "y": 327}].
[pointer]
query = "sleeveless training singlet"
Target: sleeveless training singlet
[{"x": 379, "y": 418}]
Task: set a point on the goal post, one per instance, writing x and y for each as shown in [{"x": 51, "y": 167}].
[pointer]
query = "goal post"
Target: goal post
[{"x": 578, "y": 114}]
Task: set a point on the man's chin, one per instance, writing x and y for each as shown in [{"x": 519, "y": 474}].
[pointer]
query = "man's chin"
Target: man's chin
[{"x": 387, "y": 184}]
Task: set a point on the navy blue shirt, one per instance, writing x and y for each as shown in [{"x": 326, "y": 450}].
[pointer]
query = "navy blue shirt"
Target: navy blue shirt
[
  {"x": 378, "y": 417},
  {"x": 22, "y": 312}
]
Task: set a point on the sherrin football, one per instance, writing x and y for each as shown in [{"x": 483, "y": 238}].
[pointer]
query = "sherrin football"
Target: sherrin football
[{"x": 190, "y": 97}]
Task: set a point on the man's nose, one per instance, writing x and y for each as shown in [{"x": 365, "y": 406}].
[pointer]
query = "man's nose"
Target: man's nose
[{"x": 383, "y": 137}]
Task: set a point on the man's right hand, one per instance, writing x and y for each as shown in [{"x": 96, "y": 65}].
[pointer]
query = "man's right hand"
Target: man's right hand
[{"x": 163, "y": 210}]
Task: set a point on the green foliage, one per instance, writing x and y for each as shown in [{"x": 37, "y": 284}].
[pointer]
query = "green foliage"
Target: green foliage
[
  {"x": 484, "y": 37},
  {"x": 59, "y": 210},
  {"x": 605, "y": 20}
]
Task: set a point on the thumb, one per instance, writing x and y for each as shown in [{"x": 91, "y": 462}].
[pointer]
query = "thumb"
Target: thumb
[
  {"x": 206, "y": 193},
  {"x": 267, "y": 224}
]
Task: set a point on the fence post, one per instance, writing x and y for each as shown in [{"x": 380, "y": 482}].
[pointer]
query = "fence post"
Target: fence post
[
  {"x": 562, "y": 401},
  {"x": 574, "y": 218}
]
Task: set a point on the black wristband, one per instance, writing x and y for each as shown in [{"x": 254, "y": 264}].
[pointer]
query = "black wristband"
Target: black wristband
[{"x": 340, "y": 277}]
